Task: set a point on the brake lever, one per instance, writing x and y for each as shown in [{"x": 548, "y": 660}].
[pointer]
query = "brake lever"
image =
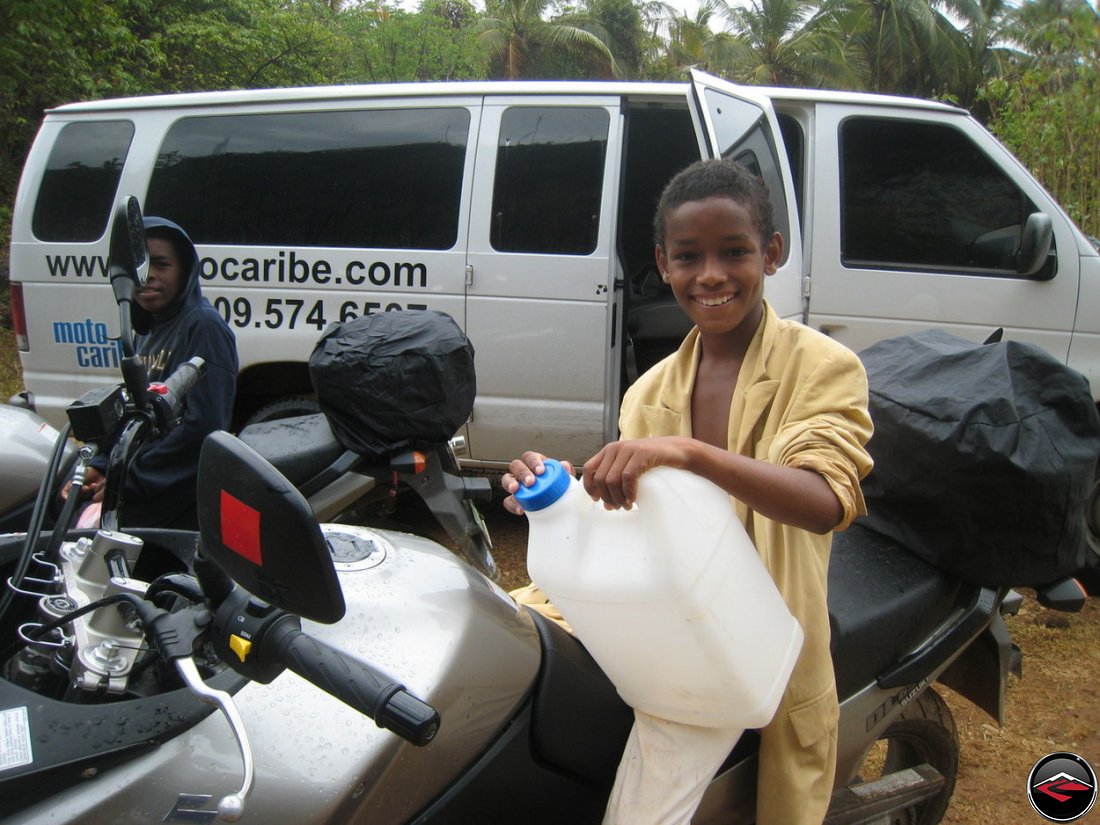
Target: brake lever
[
  {"x": 176, "y": 636},
  {"x": 231, "y": 807}
]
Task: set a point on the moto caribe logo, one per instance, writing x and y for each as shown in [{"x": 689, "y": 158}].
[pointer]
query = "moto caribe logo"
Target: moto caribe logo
[
  {"x": 1062, "y": 787},
  {"x": 93, "y": 347}
]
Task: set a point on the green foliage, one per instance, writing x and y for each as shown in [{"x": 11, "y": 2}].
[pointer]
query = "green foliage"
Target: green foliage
[
  {"x": 1054, "y": 133},
  {"x": 790, "y": 43},
  {"x": 1048, "y": 112},
  {"x": 56, "y": 51},
  {"x": 385, "y": 45},
  {"x": 515, "y": 34},
  {"x": 239, "y": 44}
]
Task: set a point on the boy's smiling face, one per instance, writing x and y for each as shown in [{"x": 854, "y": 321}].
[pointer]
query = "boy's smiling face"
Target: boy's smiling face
[
  {"x": 166, "y": 277},
  {"x": 715, "y": 260}
]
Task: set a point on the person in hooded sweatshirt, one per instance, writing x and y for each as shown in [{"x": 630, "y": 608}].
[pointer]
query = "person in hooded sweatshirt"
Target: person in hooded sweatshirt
[{"x": 174, "y": 323}]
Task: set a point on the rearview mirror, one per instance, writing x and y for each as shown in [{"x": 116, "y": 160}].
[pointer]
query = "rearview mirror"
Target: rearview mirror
[
  {"x": 257, "y": 527},
  {"x": 127, "y": 246}
]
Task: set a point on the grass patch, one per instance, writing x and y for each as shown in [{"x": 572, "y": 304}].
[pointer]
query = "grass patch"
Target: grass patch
[{"x": 11, "y": 374}]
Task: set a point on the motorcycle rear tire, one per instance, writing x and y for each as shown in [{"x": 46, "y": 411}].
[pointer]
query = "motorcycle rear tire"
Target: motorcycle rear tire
[{"x": 923, "y": 733}]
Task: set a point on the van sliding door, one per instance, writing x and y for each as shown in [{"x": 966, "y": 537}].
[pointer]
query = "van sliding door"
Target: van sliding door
[{"x": 539, "y": 295}]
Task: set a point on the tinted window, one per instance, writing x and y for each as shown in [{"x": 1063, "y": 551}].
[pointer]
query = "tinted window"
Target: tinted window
[
  {"x": 922, "y": 195},
  {"x": 80, "y": 184},
  {"x": 549, "y": 180},
  {"x": 376, "y": 178}
]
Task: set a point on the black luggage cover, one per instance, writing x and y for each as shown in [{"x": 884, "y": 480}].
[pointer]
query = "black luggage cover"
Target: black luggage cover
[
  {"x": 984, "y": 456},
  {"x": 394, "y": 380}
]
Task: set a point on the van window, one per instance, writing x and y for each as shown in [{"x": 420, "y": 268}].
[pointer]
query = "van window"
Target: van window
[
  {"x": 923, "y": 196},
  {"x": 79, "y": 186},
  {"x": 367, "y": 178},
  {"x": 549, "y": 180}
]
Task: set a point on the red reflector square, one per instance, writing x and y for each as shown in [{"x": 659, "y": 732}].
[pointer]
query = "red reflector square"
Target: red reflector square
[{"x": 241, "y": 528}]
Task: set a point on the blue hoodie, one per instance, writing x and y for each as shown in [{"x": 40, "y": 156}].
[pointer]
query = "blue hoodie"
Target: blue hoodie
[{"x": 161, "y": 485}]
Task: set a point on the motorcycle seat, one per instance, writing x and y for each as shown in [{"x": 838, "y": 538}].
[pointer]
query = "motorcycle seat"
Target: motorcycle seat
[
  {"x": 300, "y": 447},
  {"x": 883, "y": 601},
  {"x": 579, "y": 724}
]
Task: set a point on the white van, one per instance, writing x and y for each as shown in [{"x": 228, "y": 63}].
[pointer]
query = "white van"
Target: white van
[{"x": 524, "y": 211}]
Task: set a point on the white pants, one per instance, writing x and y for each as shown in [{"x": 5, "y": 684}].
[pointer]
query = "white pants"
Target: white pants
[{"x": 665, "y": 770}]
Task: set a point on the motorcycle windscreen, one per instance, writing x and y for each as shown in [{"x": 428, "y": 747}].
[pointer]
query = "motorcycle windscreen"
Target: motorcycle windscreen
[{"x": 260, "y": 530}]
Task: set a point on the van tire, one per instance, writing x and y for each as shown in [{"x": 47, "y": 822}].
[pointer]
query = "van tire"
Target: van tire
[{"x": 288, "y": 407}]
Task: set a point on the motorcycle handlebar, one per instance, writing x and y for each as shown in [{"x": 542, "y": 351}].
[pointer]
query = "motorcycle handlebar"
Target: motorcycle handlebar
[
  {"x": 181, "y": 382},
  {"x": 356, "y": 684}
]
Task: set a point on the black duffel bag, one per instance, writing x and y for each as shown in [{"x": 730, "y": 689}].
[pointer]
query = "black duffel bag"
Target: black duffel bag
[
  {"x": 984, "y": 456},
  {"x": 394, "y": 380}
]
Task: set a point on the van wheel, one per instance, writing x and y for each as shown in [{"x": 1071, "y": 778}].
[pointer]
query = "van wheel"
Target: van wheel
[
  {"x": 288, "y": 407},
  {"x": 923, "y": 733}
]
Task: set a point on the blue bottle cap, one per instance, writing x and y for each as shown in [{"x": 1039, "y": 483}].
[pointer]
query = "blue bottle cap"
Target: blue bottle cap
[{"x": 548, "y": 487}]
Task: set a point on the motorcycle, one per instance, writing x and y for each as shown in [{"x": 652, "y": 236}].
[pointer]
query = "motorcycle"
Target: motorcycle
[{"x": 117, "y": 653}]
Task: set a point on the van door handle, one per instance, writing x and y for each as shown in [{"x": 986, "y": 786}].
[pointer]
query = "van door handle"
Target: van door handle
[{"x": 469, "y": 274}]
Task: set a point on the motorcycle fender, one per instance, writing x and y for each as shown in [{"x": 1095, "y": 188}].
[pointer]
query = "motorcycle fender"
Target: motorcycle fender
[{"x": 980, "y": 673}]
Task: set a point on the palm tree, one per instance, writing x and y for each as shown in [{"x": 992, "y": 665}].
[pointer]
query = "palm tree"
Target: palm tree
[
  {"x": 1055, "y": 31},
  {"x": 898, "y": 46},
  {"x": 513, "y": 31},
  {"x": 982, "y": 54},
  {"x": 693, "y": 42},
  {"x": 789, "y": 43}
]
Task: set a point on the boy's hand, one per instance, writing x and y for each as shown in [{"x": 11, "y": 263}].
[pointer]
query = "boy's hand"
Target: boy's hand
[
  {"x": 94, "y": 484},
  {"x": 611, "y": 475},
  {"x": 522, "y": 472}
]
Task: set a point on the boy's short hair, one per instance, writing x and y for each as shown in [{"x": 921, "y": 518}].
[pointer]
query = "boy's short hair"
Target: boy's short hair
[
  {"x": 717, "y": 178},
  {"x": 179, "y": 243}
]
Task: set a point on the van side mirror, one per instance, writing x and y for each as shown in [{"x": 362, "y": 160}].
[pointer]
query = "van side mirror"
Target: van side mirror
[{"x": 1034, "y": 245}]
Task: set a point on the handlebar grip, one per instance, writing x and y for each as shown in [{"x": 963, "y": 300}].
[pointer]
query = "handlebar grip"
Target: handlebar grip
[
  {"x": 182, "y": 380},
  {"x": 358, "y": 685}
]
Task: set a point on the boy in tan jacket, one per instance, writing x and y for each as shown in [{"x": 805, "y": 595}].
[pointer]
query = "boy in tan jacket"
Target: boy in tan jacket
[{"x": 774, "y": 413}]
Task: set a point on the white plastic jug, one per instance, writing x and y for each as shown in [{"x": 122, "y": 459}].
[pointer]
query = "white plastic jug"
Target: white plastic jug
[{"x": 670, "y": 598}]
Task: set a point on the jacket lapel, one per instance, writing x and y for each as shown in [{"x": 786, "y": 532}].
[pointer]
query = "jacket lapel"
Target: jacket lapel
[{"x": 755, "y": 390}]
